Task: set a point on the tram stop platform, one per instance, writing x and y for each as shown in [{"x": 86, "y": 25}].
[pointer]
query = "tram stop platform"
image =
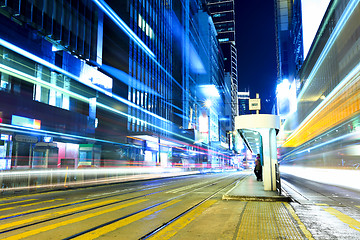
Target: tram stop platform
[
  {"x": 249, "y": 189},
  {"x": 263, "y": 214}
]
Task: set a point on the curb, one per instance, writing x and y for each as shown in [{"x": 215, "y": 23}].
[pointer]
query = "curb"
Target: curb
[{"x": 257, "y": 198}]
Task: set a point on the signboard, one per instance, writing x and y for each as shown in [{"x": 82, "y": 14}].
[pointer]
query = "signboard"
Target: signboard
[
  {"x": 91, "y": 76},
  {"x": 25, "y": 122},
  {"x": 26, "y": 138},
  {"x": 254, "y": 104},
  {"x": 214, "y": 126}
]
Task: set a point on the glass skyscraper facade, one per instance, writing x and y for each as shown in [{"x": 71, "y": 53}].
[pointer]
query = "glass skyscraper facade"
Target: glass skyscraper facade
[
  {"x": 289, "y": 40},
  {"x": 290, "y": 53},
  {"x": 223, "y": 15}
]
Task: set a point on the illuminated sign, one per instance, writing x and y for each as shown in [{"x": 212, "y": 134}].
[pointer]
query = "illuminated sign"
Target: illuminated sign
[
  {"x": 25, "y": 122},
  {"x": 214, "y": 126},
  {"x": 91, "y": 76},
  {"x": 254, "y": 104},
  {"x": 203, "y": 134},
  {"x": 5, "y": 137},
  {"x": 203, "y": 123},
  {"x": 48, "y": 139},
  {"x": 152, "y": 145},
  {"x": 26, "y": 138}
]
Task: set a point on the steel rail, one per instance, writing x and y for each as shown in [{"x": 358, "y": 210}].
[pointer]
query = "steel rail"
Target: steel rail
[{"x": 158, "y": 204}]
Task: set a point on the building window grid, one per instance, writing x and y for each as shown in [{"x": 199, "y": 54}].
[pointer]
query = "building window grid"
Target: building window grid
[{"x": 160, "y": 79}]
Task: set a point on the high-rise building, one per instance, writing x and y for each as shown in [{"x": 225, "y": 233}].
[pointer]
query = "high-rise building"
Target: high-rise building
[
  {"x": 243, "y": 98},
  {"x": 289, "y": 40},
  {"x": 289, "y": 45},
  {"x": 223, "y": 15}
]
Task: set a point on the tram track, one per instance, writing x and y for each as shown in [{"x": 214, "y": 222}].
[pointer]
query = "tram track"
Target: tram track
[
  {"x": 196, "y": 187},
  {"x": 165, "y": 224},
  {"x": 123, "y": 192}
]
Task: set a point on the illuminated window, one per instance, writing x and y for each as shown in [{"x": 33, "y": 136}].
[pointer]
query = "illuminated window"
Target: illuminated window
[
  {"x": 145, "y": 27},
  {"x": 223, "y": 39}
]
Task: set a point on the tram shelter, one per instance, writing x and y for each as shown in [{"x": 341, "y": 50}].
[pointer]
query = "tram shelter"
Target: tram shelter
[{"x": 259, "y": 133}]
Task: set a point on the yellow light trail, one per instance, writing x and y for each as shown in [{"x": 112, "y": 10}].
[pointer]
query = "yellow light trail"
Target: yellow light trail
[{"x": 341, "y": 107}]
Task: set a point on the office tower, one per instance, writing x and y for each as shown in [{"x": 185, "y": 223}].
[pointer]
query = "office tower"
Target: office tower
[
  {"x": 223, "y": 15},
  {"x": 211, "y": 108},
  {"x": 243, "y": 98},
  {"x": 200, "y": 72},
  {"x": 289, "y": 45}
]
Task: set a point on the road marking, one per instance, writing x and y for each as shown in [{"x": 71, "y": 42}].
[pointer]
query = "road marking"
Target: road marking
[
  {"x": 322, "y": 204},
  {"x": 31, "y": 204},
  {"x": 9, "y": 203},
  {"x": 51, "y": 215},
  {"x": 176, "y": 190},
  {"x": 173, "y": 228},
  {"x": 2, "y": 217},
  {"x": 67, "y": 222},
  {"x": 23, "y": 196},
  {"x": 123, "y": 222},
  {"x": 354, "y": 224},
  {"x": 302, "y": 227}
]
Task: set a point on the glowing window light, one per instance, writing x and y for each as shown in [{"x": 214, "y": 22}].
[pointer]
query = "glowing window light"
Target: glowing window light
[
  {"x": 283, "y": 88},
  {"x": 208, "y": 103},
  {"x": 118, "y": 21},
  {"x": 223, "y": 39},
  {"x": 209, "y": 90},
  {"x": 139, "y": 21}
]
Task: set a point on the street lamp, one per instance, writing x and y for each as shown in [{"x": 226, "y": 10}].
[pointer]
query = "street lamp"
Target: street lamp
[{"x": 208, "y": 103}]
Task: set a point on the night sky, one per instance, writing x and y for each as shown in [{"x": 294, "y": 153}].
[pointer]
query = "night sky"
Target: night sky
[{"x": 255, "y": 42}]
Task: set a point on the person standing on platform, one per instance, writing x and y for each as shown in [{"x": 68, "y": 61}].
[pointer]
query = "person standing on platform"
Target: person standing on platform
[{"x": 258, "y": 168}]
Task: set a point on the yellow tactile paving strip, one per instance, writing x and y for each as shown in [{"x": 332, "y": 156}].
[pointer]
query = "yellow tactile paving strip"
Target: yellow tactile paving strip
[{"x": 268, "y": 220}]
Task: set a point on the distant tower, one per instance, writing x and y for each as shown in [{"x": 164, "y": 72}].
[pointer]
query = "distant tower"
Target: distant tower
[
  {"x": 243, "y": 99},
  {"x": 289, "y": 52},
  {"x": 223, "y": 15},
  {"x": 289, "y": 39}
]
